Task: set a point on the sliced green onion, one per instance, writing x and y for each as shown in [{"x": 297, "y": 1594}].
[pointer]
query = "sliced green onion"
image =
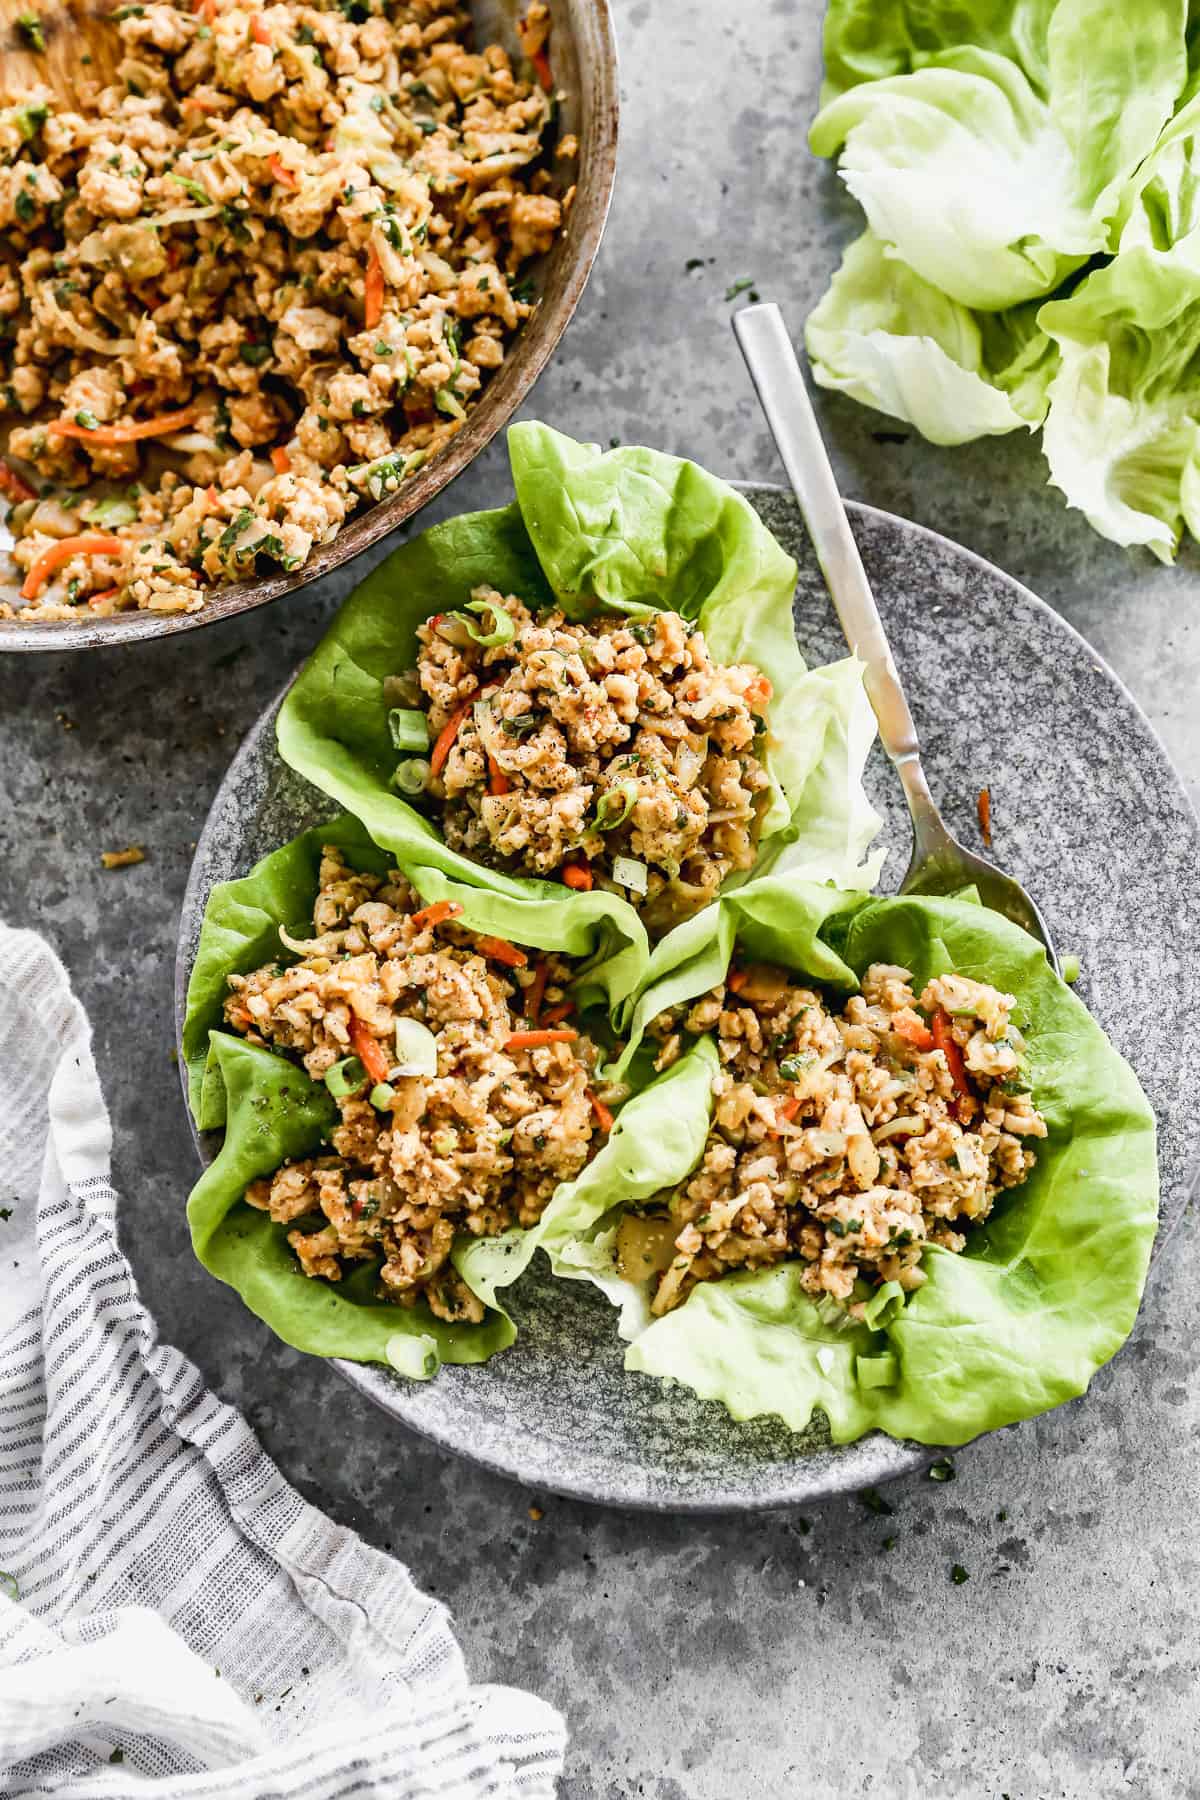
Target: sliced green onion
[
  {"x": 1070, "y": 968},
  {"x": 112, "y": 511},
  {"x": 191, "y": 187},
  {"x": 793, "y": 1067},
  {"x": 86, "y": 420},
  {"x": 409, "y": 729},
  {"x": 345, "y": 1077},
  {"x": 615, "y": 806},
  {"x": 877, "y": 1371},
  {"x": 942, "y": 1469},
  {"x": 519, "y": 725},
  {"x": 448, "y": 402},
  {"x": 416, "y": 1048},
  {"x": 629, "y": 873},
  {"x": 382, "y": 1095},
  {"x": 503, "y": 630},
  {"x": 881, "y": 1303},
  {"x": 9, "y": 1584},
  {"x": 415, "y": 1357},
  {"x": 411, "y": 775}
]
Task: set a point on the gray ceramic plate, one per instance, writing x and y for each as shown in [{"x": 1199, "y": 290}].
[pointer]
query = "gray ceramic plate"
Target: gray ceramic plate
[{"x": 1086, "y": 809}]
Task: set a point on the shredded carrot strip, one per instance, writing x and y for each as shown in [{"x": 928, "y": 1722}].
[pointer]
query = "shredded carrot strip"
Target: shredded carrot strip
[
  {"x": 735, "y": 981},
  {"x": 498, "y": 782},
  {"x": 913, "y": 1032},
  {"x": 282, "y": 174},
  {"x": 210, "y": 494},
  {"x": 373, "y": 291},
  {"x": 436, "y": 913},
  {"x": 14, "y": 485},
  {"x": 954, "y": 1060},
  {"x": 281, "y": 460},
  {"x": 758, "y": 692},
  {"x": 369, "y": 1051},
  {"x": 446, "y": 737},
  {"x": 129, "y": 431},
  {"x": 200, "y": 103},
  {"x": 208, "y": 8},
  {"x": 541, "y": 63},
  {"x": 553, "y": 1015},
  {"x": 535, "y": 993},
  {"x": 529, "y": 1040},
  {"x": 787, "y": 1109},
  {"x": 499, "y": 950},
  {"x": 108, "y": 594},
  {"x": 984, "y": 808},
  {"x": 52, "y": 558},
  {"x": 603, "y": 1117},
  {"x": 577, "y": 875},
  {"x": 258, "y": 29}
]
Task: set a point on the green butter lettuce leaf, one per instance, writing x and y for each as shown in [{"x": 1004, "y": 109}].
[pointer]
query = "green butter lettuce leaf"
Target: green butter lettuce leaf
[
  {"x": 1048, "y": 1288},
  {"x": 628, "y": 530},
  {"x": 635, "y": 526},
  {"x": 990, "y": 189},
  {"x": 868, "y": 40},
  {"x": 890, "y": 340},
  {"x": 1122, "y": 433},
  {"x": 1161, "y": 203}
]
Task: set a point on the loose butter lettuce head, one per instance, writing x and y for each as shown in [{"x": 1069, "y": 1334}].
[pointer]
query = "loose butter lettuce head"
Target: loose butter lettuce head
[
  {"x": 270, "y": 1111},
  {"x": 890, "y": 340},
  {"x": 993, "y": 180},
  {"x": 1048, "y": 1288},
  {"x": 867, "y": 40},
  {"x": 624, "y": 532},
  {"x": 1122, "y": 434}
]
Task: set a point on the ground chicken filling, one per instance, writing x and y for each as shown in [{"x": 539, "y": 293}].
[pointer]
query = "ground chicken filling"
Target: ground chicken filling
[
  {"x": 253, "y": 283},
  {"x": 845, "y": 1140},
  {"x": 464, "y": 1099},
  {"x": 613, "y": 753}
]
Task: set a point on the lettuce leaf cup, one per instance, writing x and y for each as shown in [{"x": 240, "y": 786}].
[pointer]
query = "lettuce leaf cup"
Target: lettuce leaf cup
[
  {"x": 967, "y": 1246},
  {"x": 677, "y": 747},
  {"x": 409, "y": 1105}
]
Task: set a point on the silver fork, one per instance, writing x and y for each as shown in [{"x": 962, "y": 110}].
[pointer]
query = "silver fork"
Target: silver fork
[{"x": 939, "y": 864}]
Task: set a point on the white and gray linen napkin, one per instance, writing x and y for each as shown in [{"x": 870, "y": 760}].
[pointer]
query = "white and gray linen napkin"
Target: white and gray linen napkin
[{"x": 184, "y": 1624}]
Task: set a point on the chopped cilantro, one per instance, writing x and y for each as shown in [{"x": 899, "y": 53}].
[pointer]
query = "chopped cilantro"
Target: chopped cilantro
[{"x": 739, "y": 286}]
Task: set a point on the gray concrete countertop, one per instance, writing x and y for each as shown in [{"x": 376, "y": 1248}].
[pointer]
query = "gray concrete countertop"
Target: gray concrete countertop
[{"x": 826, "y": 1655}]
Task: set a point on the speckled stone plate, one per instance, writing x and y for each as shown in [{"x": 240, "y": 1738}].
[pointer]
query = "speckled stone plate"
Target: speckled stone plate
[{"x": 1086, "y": 810}]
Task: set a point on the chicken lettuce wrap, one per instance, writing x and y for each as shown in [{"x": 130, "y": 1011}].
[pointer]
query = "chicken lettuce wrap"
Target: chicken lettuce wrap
[
  {"x": 596, "y": 687},
  {"x": 409, "y": 1098},
  {"x": 927, "y": 1190}
]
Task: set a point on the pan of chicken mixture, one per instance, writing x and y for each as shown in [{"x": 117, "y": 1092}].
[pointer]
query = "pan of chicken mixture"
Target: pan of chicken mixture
[
  {"x": 464, "y": 1094},
  {"x": 845, "y": 1139},
  {"x": 255, "y": 283},
  {"x": 609, "y": 753}
]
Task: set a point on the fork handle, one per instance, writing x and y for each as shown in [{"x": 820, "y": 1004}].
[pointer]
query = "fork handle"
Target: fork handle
[{"x": 764, "y": 342}]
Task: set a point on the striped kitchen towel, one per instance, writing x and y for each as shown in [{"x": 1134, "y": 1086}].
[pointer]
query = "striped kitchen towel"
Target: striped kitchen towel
[{"x": 174, "y": 1619}]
